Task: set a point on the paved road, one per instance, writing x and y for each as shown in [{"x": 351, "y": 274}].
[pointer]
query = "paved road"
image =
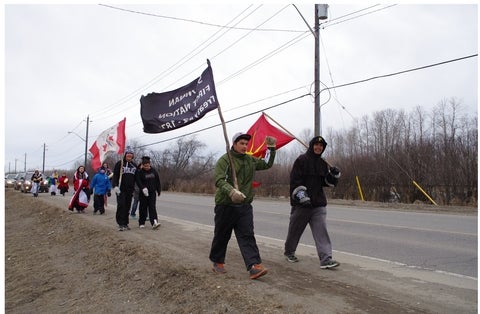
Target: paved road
[{"x": 441, "y": 242}]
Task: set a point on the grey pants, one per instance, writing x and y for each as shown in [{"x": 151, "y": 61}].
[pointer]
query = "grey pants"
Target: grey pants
[{"x": 316, "y": 217}]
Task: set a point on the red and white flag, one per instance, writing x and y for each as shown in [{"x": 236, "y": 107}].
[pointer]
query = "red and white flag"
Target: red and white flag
[{"x": 111, "y": 140}]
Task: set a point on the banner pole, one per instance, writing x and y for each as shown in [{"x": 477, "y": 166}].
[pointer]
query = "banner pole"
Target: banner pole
[
  {"x": 234, "y": 174},
  {"x": 227, "y": 144}
]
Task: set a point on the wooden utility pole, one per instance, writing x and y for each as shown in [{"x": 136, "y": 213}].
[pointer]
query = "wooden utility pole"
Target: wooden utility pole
[
  {"x": 320, "y": 14},
  {"x": 86, "y": 143}
]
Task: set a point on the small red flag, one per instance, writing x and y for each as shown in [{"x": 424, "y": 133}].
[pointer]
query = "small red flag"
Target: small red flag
[{"x": 261, "y": 129}]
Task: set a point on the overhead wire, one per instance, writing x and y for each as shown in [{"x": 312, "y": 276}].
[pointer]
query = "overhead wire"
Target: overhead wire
[
  {"x": 200, "y": 22},
  {"x": 233, "y": 44},
  {"x": 329, "y": 23},
  {"x": 267, "y": 56},
  {"x": 400, "y": 72},
  {"x": 177, "y": 64}
]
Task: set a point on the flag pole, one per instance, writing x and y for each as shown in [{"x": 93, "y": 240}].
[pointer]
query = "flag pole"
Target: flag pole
[
  {"x": 227, "y": 144},
  {"x": 286, "y": 131},
  {"x": 292, "y": 135}
]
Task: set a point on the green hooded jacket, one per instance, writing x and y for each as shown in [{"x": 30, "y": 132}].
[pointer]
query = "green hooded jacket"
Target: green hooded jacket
[{"x": 245, "y": 167}]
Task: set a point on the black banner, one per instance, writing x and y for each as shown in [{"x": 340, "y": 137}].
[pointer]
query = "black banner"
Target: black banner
[{"x": 162, "y": 112}]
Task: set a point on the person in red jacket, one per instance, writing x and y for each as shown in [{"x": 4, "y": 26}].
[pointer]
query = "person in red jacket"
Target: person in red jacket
[
  {"x": 63, "y": 184},
  {"x": 81, "y": 197}
]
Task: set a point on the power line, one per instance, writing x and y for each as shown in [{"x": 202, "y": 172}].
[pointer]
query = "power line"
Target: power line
[
  {"x": 268, "y": 55},
  {"x": 194, "y": 52},
  {"x": 228, "y": 47},
  {"x": 202, "y": 23},
  {"x": 401, "y": 72},
  {"x": 328, "y": 23}
]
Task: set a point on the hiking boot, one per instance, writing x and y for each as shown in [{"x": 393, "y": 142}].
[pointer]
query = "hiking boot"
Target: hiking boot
[
  {"x": 219, "y": 268},
  {"x": 329, "y": 264},
  {"x": 257, "y": 271},
  {"x": 291, "y": 258}
]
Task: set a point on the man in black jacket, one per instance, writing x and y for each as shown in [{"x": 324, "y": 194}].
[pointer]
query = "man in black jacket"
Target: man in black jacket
[
  {"x": 310, "y": 173},
  {"x": 123, "y": 183},
  {"x": 148, "y": 182}
]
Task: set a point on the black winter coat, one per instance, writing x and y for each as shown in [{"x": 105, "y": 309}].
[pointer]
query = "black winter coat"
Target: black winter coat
[{"x": 311, "y": 171}]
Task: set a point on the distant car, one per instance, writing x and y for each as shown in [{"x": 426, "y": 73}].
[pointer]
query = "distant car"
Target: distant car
[
  {"x": 10, "y": 180},
  {"x": 26, "y": 185},
  {"x": 18, "y": 181},
  {"x": 44, "y": 185}
]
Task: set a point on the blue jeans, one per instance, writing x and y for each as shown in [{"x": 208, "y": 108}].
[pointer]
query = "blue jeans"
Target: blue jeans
[{"x": 134, "y": 207}]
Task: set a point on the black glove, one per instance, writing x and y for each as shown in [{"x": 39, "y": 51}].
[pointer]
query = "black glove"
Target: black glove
[
  {"x": 306, "y": 204},
  {"x": 335, "y": 172},
  {"x": 109, "y": 193},
  {"x": 300, "y": 196}
]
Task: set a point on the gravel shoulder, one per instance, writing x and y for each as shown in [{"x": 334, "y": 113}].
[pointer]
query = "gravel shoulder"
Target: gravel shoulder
[{"x": 57, "y": 261}]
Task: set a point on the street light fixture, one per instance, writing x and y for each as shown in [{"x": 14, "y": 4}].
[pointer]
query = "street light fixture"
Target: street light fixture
[
  {"x": 84, "y": 139},
  {"x": 71, "y": 132}
]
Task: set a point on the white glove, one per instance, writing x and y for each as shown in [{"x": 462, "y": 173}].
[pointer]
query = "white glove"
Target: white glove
[
  {"x": 237, "y": 196},
  {"x": 145, "y": 192},
  {"x": 271, "y": 141},
  {"x": 116, "y": 190}
]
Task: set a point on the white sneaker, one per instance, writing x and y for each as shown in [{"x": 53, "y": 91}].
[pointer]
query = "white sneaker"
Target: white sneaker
[
  {"x": 156, "y": 225},
  {"x": 142, "y": 226}
]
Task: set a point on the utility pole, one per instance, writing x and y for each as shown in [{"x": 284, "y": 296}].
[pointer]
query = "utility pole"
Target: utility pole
[
  {"x": 321, "y": 13},
  {"x": 43, "y": 165},
  {"x": 86, "y": 142}
]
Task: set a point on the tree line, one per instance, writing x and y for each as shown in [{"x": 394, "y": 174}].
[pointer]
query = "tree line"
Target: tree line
[{"x": 384, "y": 153}]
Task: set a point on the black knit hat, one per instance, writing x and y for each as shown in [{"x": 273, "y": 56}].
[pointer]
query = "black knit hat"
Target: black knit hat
[
  {"x": 318, "y": 139},
  {"x": 315, "y": 140},
  {"x": 145, "y": 160}
]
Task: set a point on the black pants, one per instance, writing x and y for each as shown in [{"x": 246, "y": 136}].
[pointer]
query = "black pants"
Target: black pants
[
  {"x": 238, "y": 218},
  {"x": 124, "y": 201},
  {"x": 99, "y": 203},
  {"x": 147, "y": 205}
]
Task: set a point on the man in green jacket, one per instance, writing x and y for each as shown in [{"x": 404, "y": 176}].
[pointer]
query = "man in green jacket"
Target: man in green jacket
[{"x": 233, "y": 208}]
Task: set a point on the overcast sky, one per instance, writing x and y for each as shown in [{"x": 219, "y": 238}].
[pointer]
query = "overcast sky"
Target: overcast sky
[{"x": 66, "y": 62}]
